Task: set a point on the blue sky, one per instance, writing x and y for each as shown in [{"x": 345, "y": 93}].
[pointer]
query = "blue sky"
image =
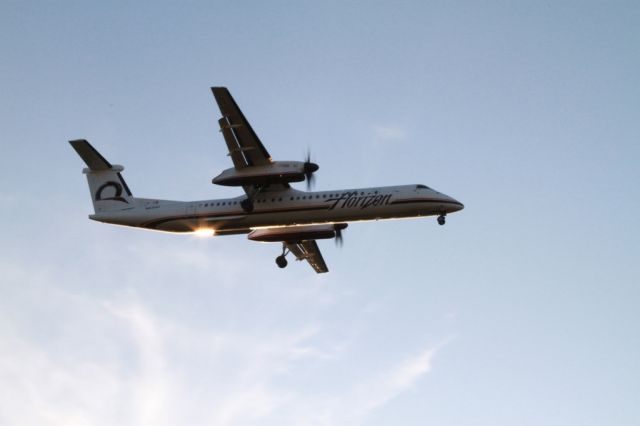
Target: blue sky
[{"x": 523, "y": 309}]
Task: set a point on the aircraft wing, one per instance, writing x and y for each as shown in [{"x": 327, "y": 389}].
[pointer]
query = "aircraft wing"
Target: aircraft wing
[
  {"x": 308, "y": 250},
  {"x": 244, "y": 145}
]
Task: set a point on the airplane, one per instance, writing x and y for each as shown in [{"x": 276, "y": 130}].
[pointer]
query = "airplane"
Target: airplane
[{"x": 270, "y": 210}]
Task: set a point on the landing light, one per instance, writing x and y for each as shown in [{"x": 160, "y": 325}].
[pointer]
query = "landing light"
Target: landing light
[{"x": 204, "y": 232}]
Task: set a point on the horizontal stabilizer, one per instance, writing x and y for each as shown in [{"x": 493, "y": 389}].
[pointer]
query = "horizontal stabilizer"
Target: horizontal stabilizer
[{"x": 91, "y": 157}]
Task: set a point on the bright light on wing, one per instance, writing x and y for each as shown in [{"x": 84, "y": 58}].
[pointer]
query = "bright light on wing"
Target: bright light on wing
[{"x": 204, "y": 232}]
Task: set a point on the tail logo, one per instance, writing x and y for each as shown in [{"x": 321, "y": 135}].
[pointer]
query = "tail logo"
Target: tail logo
[{"x": 118, "y": 192}]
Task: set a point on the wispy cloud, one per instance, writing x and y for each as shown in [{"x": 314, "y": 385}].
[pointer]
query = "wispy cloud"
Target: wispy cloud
[
  {"x": 7, "y": 199},
  {"x": 87, "y": 358},
  {"x": 400, "y": 377},
  {"x": 171, "y": 374},
  {"x": 354, "y": 404},
  {"x": 253, "y": 392},
  {"x": 388, "y": 134}
]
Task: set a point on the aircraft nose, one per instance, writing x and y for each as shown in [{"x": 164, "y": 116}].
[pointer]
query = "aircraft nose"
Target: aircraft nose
[{"x": 453, "y": 205}]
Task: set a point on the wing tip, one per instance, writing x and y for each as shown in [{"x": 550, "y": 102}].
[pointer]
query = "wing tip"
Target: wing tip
[{"x": 78, "y": 142}]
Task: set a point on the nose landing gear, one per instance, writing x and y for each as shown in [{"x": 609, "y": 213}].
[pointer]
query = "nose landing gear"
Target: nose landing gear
[
  {"x": 281, "y": 260},
  {"x": 441, "y": 219}
]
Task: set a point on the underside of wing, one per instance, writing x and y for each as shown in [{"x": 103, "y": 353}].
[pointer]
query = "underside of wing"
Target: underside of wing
[
  {"x": 244, "y": 146},
  {"x": 308, "y": 250},
  {"x": 301, "y": 241}
]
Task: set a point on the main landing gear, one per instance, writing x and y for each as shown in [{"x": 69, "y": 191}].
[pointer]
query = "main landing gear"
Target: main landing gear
[
  {"x": 247, "y": 203},
  {"x": 281, "y": 260},
  {"x": 441, "y": 219}
]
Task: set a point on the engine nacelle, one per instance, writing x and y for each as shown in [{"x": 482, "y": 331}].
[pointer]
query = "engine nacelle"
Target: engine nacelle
[
  {"x": 296, "y": 233},
  {"x": 276, "y": 172}
]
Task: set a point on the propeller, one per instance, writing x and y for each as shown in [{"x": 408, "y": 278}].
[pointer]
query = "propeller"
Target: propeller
[
  {"x": 339, "y": 240},
  {"x": 309, "y": 169}
]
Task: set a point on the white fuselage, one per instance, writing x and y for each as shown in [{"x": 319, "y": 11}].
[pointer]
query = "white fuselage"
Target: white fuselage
[{"x": 290, "y": 207}]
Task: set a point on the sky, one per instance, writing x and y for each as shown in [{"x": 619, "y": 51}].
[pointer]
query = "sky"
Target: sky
[{"x": 523, "y": 309}]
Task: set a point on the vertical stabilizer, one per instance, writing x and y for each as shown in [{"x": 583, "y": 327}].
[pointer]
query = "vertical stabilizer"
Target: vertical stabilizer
[{"x": 109, "y": 191}]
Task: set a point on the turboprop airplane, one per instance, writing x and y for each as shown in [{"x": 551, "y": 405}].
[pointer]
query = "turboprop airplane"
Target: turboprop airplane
[{"x": 270, "y": 209}]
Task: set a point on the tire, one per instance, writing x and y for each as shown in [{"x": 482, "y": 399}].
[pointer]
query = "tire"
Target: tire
[{"x": 281, "y": 261}]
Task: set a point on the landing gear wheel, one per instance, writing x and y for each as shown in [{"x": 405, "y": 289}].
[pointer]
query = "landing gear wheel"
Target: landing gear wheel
[
  {"x": 247, "y": 205},
  {"x": 441, "y": 220},
  {"x": 281, "y": 261}
]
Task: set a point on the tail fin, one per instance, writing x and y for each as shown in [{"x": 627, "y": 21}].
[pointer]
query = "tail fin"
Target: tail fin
[{"x": 109, "y": 191}]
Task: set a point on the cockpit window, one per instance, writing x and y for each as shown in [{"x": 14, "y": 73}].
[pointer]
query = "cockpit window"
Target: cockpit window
[{"x": 422, "y": 187}]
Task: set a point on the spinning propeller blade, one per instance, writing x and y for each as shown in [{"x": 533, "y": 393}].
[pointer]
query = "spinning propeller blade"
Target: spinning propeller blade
[
  {"x": 339, "y": 240},
  {"x": 309, "y": 169}
]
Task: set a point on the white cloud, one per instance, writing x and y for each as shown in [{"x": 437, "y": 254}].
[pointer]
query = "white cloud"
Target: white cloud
[
  {"x": 354, "y": 404},
  {"x": 388, "y": 134},
  {"x": 401, "y": 377},
  {"x": 7, "y": 199},
  {"x": 81, "y": 357},
  {"x": 235, "y": 378}
]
